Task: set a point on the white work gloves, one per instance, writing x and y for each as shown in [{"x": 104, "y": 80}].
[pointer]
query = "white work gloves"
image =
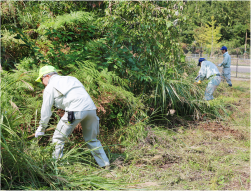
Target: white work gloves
[
  {"x": 219, "y": 65},
  {"x": 39, "y": 132}
]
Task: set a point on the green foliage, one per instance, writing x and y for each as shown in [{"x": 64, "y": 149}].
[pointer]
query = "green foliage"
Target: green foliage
[
  {"x": 127, "y": 55},
  {"x": 233, "y": 16},
  {"x": 12, "y": 49},
  {"x": 30, "y": 14},
  {"x": 132, "y": 47},
  {"x": 27, "y": 63},
  {"x": 25, "y": 165},
  {"x": 208, "y": 36},
  {"x": 116, "y": 106},
  {"x": 67, "y": 21},
  {"x": 19, "y": 96},
  {"x": 146, "y": 36},
  {"x": 8, "y": 13},
  {"x": 61, "y": 35}
]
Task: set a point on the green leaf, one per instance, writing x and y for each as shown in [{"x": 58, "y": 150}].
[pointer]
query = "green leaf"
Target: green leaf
[
  {"x": 168, "y": 24},
  {"x": 131, "y": 60},
  {"x": 120, "y": 114},
  {"x": 18, "y": 36}
]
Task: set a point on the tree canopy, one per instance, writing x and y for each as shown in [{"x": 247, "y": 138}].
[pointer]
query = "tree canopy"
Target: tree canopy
[{"x": 232, "y": 16}]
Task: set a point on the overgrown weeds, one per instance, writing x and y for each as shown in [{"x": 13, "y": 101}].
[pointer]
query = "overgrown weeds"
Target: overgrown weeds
[{"x": 134, "y": 70}]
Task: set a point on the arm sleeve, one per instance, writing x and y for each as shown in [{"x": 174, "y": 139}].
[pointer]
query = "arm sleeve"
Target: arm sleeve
[
  {"x": 48, "y": 101},
  {"x": 202, "y": 72},
  {"x": 224, "y": 61},
  {"x": 197, "y": 77}
]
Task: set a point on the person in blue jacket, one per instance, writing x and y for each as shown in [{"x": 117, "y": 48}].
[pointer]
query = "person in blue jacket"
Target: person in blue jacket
[
  {"x": 208, "y": 71},
  {"x": 226, "y": 71}
]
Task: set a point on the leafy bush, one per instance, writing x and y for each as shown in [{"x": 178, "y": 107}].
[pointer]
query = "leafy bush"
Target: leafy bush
[
  {"x": 150, "y": 68},
  {"x": 8, "y": 12},
  {"x": 67, "y": 20},
  {"x": 12, "y": 49},
  {"x": 30, "y": 14},
  {"x": 116, "y": 106}
]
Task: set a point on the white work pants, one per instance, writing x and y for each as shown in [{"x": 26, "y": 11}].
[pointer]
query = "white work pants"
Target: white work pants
[
  {"x": 90, "y": 125},
  {"x": 211, "y": 87}
]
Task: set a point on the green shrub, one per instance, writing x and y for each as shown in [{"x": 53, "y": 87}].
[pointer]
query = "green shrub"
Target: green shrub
[
  {"x": 67, "y": 20},
  {"x": 12, "y": 49},
  {"x": 115, "y": 105},
  {"x": 8, "y": 13}
]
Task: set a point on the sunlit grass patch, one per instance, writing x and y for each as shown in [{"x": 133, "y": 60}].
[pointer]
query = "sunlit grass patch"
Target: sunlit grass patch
[{"x": 203, "y": 155}]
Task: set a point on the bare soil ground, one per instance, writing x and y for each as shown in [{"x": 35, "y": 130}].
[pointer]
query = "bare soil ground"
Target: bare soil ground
[{"x": 208, "y": 154}]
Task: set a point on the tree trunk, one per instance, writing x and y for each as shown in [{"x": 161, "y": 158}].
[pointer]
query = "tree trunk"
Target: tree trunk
[
  {"x": 212, "y": 41},
  {"x": 110, "y": 7}
]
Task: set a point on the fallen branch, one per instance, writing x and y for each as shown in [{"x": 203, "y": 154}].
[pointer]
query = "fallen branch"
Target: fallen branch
[{"x": 49, "y": 129}]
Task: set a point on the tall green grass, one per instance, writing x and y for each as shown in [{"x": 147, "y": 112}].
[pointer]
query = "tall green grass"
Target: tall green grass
[
  {"x": 174, "y": 88},
  {"x": 27, "y": 164}
]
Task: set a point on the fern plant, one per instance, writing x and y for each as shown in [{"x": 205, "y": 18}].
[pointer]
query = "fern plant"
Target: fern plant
[
  {"x": 115, "y": 104},
  {"x": 67, "y": 20}
]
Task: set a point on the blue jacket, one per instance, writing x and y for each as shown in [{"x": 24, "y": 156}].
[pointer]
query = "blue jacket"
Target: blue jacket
[{"x": 226, "y": 61}]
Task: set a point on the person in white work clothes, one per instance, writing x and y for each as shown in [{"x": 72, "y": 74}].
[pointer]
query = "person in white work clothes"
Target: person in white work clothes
[
  {"x": 210, "y": 72},
  {"x": 68, "y": 93}
]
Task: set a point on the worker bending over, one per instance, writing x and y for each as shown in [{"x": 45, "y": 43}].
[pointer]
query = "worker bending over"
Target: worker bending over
[
  {"x": 208, "y": 71},
  {"x": 226, "y": 71},
  {"x": 68, "y": 93}
]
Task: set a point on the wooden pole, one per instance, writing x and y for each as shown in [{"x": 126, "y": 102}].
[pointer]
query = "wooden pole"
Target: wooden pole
[
  {"x": 246, "y": 44},
  {"x": 237, "y": 62}
]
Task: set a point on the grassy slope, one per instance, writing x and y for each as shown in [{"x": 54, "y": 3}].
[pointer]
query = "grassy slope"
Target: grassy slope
[{"x": 207, "y": 154}]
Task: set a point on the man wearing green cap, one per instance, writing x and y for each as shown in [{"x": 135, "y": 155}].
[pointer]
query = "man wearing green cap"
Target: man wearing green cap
[{"x": 68, "y": 93}]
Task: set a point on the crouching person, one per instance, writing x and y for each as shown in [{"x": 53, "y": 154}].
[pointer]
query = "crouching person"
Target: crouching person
[
  {"x": 68, "y": 93},
  {"x": 209, "y": 71}
]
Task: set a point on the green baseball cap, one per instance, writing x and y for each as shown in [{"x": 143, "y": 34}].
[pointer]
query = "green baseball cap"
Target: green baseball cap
[{"x": 45, "y": 70}]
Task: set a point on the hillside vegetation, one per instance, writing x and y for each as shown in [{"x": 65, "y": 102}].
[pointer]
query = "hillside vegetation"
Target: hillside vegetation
[{"x": 129, "y": 57}]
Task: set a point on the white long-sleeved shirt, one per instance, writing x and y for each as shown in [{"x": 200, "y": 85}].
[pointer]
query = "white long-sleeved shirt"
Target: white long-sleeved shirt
[
  {"x": 207, "y": 70},
  {"x": 67, "y": 93}
]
